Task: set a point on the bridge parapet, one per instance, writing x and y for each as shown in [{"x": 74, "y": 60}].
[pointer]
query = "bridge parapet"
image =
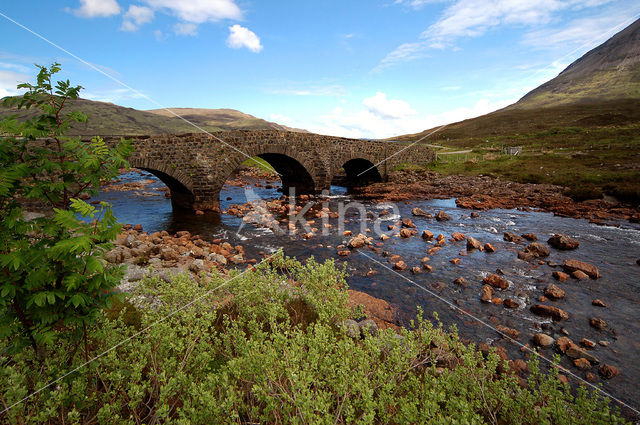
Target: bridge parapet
[{"x": 195, "y": 166}]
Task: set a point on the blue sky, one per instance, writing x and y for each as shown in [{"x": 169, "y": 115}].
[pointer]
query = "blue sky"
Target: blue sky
[{"x": 360, "y": 68}]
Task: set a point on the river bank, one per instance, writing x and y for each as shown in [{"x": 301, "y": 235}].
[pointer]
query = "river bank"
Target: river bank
[
  {"x": 485, "y": 193},
  {"x": 451, "y": 271}
]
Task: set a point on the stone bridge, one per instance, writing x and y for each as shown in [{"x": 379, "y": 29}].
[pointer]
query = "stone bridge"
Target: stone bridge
[{"x": 195, "y": 166}]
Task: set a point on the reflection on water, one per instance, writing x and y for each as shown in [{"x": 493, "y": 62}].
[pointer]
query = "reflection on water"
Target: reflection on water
[{"x": 613, "y": 249}]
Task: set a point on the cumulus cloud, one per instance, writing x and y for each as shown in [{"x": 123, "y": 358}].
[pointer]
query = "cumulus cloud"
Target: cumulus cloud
[
  {"x": 135, "y": 17},
  {"x": 198, "y": 11},
  {"x": 385, "y": 108},
  {"x": 97, "y": 8},
  {"x": 240, "y": 37}
]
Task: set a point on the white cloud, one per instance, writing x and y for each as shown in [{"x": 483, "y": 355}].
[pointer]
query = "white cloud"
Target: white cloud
[
  {"x": 364, "y": 123},
  {"x": 473, "y": 18},
  {"x": 280, "y": 119},
  {"x": 584, "y": 32},
  {"x": 97, "y": 8},
  {"x": 135, "y": 17},
  {"x": 185, "y": 28},
  {"x": 199, "y": 11},
  {"x": 385, "y": 108},
  {"x": 8, "y": 82},
  {"x": 116, "y": 95},
  {"x": 240, "y": 37}
]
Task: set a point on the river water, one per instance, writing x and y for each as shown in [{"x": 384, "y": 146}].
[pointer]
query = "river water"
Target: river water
[{"x": 614, "y": 249}]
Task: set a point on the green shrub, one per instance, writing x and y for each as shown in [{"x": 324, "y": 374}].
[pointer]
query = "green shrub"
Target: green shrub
[
  {"x": 240, "y": 354},
  {"x": 52, "y": 276}
]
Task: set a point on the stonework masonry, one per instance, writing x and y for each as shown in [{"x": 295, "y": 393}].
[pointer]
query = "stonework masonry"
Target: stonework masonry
[{"x": 196, "y": 166}]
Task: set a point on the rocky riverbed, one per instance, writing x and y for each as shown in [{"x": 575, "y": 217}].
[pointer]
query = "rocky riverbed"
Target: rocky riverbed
[
  {"x": 486, "y": 193},
  {"x": 562, "y": 285}
]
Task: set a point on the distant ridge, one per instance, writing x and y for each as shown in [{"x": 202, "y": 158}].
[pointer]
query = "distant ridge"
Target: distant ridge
[{"x": 110, "y": 119}]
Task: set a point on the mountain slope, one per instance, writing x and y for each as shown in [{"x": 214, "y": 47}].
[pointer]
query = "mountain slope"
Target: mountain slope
[
  {"x": 110, "y": 119},
  {"x": 580, "y": 130},
  {"x": 609, "y": 71}
]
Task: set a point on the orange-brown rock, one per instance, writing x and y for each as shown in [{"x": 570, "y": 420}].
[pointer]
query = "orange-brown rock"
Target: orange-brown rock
[
  {"x": 376, "y": 309},
  {"x": 590, "y": 270},
  {"x": 548, "y": 311},
  {"x": 496, "y": 281}
]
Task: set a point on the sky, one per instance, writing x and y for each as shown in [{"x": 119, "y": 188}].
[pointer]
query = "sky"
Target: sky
[{"x": 357, "y": 68}]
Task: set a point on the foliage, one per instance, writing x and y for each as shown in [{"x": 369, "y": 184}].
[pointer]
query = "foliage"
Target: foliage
[
  {"x": 52, "y": 277},
  {"x": 242, "y": 351}
]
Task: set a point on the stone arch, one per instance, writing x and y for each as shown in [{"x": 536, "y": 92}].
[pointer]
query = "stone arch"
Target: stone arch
[
  {"x": 180, "y": 184},
  {"x": 302, "y": 170},
  {"x": 359, "y": 170}
]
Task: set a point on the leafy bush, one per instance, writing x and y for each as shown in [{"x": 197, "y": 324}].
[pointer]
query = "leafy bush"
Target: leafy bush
[
  {"x": 51, "y": 274},
  {"x": 266, "y": 348}
]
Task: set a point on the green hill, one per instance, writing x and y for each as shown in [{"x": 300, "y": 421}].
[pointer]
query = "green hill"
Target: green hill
[{"x": 110, "y": 119}]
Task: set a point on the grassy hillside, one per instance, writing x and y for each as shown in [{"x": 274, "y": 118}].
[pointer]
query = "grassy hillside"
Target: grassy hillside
[
  {"x": 227, "y": 119},
  {"x": 580, "y": 130},
  {"x": 109, "y": 119},
  {"x": 592, "y": 149}
]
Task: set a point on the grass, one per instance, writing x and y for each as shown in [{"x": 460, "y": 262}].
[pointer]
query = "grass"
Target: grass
[
  {"x": 592, "y": 149},
  {"x": 259, "y": 163}
]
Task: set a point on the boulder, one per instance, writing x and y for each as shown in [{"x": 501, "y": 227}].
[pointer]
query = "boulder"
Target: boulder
[
  {"x": 368, "y": 328},
  {"x": 512, "y": 237},
  {"x": 543, "y": 340},
  {"x": 608, "y": 371},
  {"x": 582, "y": 363},
  {"x": 560, "y": 276},
  {"x": 530, "y": 237},
  {"x": 590, "y": 270},
  {"x": 489, "y": 248},
  {"x": 509, "y": 303},
  {"x": 496, "y": 281},
  {"x": 407, "y": 233},
  {"x": 553, "y": 291},
  {"x": 487, "y": 293},
  {"x": 473, "y": 243},
  {"x": 457, "y": 236},
  {"x": 587, "y": 343},
  {"x": 563, "y": 343},
  {"x": 598, "y": 323},
  {"x": 400, "y": 265},
  {"x": 598, "y": 303},
  {"x": 357, "y": 242},
  {"x": 537, "y": 249},
  {"x": 427, "y": 235},
  {"x": 419, "y": 212},
  {"x": 548, "y": 311},
  {"x": 575, "y": 352},
  {"x": 416, "y": 270},
  {"x": 406, "y": 222},
  {"x": 442, "y": 216},
  {"x": 351, "y": 328},
  {"x": 563, "y": 242},
  {"x": 579, "y": 275},
  {"x": 511, "y": 333}
]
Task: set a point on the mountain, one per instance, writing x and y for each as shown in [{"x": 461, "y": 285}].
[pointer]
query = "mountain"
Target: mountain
[
  {"x": 110, "y": 119},
  {"x": 580, "y": 130},
  {"x": 600, "y": 88},
  {"x": 226, "y": 119},
  {"x": 609, "y": 71}
]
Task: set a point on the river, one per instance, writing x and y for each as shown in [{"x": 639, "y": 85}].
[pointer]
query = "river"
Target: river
[{"x": 613, "y": 248}]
